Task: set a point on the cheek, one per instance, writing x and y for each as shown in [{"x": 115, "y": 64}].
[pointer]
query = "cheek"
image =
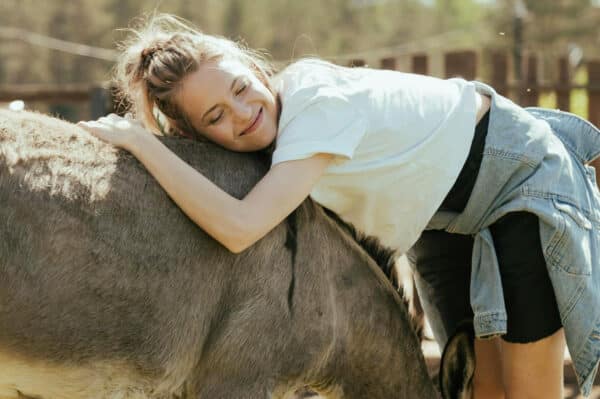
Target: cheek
[
  {"x": 273, "y": 121},
  {"x": 219, "y": 135}
]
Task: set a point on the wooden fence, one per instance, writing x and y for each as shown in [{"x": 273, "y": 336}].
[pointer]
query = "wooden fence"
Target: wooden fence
[
  {"x": 97, "y": 96},
  {"x": 465, "y": 64}
]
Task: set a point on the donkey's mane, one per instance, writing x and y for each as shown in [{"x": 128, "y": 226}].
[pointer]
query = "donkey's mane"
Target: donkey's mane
[{"x": 384, "y": 257}]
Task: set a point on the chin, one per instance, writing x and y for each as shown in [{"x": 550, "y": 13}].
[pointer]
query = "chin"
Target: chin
[{"x": 266, "y": 146}]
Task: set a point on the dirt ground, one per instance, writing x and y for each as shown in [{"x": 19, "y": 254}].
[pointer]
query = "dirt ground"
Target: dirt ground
[{"x": 432, "y": 356}]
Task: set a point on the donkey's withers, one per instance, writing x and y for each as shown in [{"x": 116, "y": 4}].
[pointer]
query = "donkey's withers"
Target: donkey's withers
[{"x": 108, "y": 290}]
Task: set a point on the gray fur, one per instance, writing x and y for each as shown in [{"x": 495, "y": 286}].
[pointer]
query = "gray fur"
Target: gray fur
[
  {"x": 98, "y": 265},
  {"x": 458, "y": 363}
]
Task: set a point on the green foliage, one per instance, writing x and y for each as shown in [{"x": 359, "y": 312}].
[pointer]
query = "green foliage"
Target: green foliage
[{"x": 339, "y": 30}]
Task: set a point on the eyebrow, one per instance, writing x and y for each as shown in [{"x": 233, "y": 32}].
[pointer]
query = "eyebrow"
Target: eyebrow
[{"x": 216, "y": 105}]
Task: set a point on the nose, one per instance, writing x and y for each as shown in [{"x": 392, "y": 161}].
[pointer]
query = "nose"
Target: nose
[{"x": 242, "y": 111}]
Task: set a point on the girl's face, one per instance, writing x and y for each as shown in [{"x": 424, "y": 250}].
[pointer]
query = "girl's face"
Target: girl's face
[{"x": 227, "y": 103}]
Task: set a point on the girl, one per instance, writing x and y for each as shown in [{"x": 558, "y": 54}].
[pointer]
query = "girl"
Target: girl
[{"x": 495, "y": 202}]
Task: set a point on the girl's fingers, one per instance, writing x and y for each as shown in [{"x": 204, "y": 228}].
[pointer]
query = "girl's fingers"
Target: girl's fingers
[
  {"x": 114, "y": 117},
  {"x": 87, "y": 125},
  {"x": 112, "y": 129},
  {"x": 106, "y": 120},
  {"x": 115, "y": 122},
  {"x": 94, "y": 125},
  {"x": 96, "y": 128}
]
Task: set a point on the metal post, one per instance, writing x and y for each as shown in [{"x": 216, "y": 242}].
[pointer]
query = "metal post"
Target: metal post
[
  {"x": 517, "y": 46},
  {"x": 99, "y": 100}
]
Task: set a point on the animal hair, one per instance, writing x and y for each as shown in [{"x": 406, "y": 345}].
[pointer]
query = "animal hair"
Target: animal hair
[{"x": 385, "y": 258}]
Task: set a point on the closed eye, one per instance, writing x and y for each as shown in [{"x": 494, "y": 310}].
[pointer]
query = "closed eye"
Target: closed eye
[
  {"x": 216, "y": 119},
  {"x": 241, "y": 89}
]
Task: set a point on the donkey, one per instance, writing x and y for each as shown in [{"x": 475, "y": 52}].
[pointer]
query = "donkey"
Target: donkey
[{"x": 107, "y": 290}]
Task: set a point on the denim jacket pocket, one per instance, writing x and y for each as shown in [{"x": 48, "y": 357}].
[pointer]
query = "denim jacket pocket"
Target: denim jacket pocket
[{"x": 574, "y": 231}]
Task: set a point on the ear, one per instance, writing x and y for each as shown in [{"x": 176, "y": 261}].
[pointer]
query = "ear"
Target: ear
[{"x": 458, "y": 363}]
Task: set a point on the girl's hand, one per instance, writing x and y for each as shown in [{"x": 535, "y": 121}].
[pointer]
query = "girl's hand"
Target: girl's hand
[{"x": 116, "y": 130}]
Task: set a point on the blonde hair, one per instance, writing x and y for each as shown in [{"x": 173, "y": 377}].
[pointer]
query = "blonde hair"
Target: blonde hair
[{"x": 156, "y": 59}]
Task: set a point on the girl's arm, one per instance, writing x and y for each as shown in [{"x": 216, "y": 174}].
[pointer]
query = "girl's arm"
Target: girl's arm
[{"x": 236, "y": 224}]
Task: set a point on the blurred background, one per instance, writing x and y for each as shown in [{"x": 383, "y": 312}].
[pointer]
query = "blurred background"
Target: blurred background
[{"x": 56, "y": 56}]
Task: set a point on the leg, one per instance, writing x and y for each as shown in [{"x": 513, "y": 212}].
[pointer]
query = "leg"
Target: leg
[
  {"x": 487, "y": 382},
  {"x": 442, "y": 263},
  {"x": 442, "y": 266},
  {"x": 533, "y": 349},
  {"x": 534, "y": 370},
  {"x": 506, "y": 370}
]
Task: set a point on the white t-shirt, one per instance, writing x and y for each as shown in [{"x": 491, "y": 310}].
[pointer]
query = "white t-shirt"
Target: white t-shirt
[{"x": 400, "y": 140}]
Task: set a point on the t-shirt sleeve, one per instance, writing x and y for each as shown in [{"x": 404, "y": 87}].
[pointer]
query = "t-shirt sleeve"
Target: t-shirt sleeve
[{"x": 326, "y": 123}]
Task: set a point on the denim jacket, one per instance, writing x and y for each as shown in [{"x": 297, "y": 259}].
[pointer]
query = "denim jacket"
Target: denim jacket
[{"x": 534, "y": 160}]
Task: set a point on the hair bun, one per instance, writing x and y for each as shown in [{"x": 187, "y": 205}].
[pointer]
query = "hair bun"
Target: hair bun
[{"x": 147, "y": 55}]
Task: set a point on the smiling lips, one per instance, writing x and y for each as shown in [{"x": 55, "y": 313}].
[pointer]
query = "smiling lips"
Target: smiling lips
[{"x": 254, "y": 124}]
